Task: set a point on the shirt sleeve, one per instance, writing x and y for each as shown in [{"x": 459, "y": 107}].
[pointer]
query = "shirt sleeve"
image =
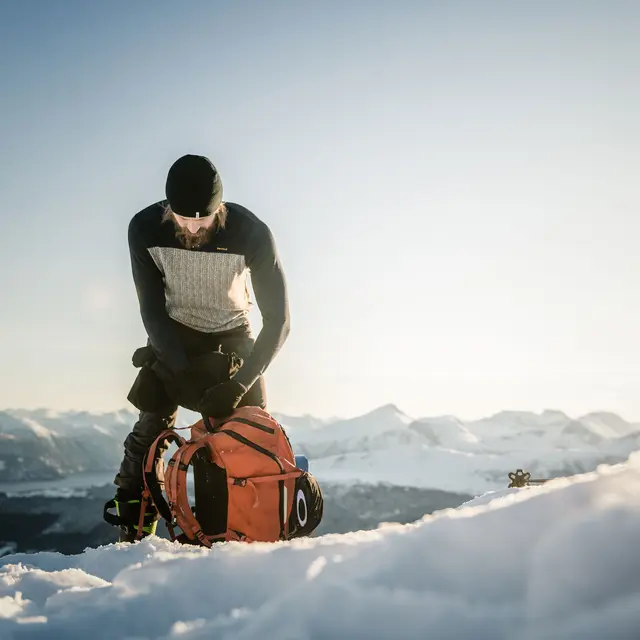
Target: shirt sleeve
[
  {"x": 270, "y": 289},
  {"x": 149, "y": 286}
]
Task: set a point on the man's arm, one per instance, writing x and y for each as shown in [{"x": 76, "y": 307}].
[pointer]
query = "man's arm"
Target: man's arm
[
  {"x": 269, "y": 286},
  {"x": 150, "y": 290}
]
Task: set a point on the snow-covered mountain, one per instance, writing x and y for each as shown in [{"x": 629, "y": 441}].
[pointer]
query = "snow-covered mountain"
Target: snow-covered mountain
[
  {"x": 447, "y": 432},
  {"x": 504, "y": 431},
  {"x": 444, "y": 452},
  {"x": 609, "y": 424},
  {"x": 384, "y": 445},
  {"x": 48, "y": 423},
  {"x": 42, "y": 444},
  {"x": 558, "y": 561},
  {"x": 378, "y": 429}
]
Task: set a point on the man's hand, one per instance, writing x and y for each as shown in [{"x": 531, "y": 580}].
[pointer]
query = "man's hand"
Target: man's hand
[
  {"x": 143, "y": 356},
  {"x": 221, "y": 400}
]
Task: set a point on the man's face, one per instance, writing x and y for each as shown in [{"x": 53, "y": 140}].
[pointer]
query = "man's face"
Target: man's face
[{"x": 193, "y": 231}]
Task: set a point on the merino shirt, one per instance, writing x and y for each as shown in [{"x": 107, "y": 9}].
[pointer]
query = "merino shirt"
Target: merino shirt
[{"x": 206, "y": 288}]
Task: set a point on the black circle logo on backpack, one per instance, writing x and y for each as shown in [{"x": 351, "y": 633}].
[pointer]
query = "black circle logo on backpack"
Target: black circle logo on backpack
[{"x": 301, "y": 507}]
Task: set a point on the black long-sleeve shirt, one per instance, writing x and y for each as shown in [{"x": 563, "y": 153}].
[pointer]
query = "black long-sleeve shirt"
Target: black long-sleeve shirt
[{"x": 206, "y": 288}]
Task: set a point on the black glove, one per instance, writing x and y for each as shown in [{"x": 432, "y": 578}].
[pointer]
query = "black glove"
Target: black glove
[
  {"x": 221, "y": 400},
  {"x": 143, "y": 356}
]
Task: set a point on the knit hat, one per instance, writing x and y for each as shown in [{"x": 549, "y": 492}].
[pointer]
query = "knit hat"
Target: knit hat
[{"x": 194, "y": 187}]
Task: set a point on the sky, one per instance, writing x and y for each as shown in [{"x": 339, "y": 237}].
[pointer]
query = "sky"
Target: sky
[{"x": 452, "y": 188}]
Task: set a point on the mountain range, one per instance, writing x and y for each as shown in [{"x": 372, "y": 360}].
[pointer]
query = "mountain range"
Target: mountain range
[
  {"x": 444, "y": 452},
  {"x": 42, "y": 444},
  {"x": 382, "y": 446}
]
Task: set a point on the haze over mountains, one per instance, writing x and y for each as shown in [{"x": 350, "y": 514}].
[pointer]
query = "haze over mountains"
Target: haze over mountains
[{"x": 382, "y": 446}]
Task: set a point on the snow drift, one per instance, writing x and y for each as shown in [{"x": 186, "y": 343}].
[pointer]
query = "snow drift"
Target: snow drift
[{"x": 558, "y": 561}]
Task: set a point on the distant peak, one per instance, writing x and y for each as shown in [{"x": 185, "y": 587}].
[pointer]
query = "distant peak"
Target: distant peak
[
  {"x": 604, "y": 415},
  {"x": 554, "y": 412},
  {"x": 387, "y": 409},
  {"x": 390, "y": 407}
]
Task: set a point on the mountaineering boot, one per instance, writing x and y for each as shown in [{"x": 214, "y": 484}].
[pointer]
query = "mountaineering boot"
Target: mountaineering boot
[
  {"x": 128, "y": 511},
  {"x": 127, "y": 518}
]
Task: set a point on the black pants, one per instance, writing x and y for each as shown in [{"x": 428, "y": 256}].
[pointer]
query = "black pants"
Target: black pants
[{"x": 150, "y": 425}]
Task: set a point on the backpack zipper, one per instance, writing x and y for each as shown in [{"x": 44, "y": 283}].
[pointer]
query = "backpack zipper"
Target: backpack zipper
[{"x": 255, "y": 425}]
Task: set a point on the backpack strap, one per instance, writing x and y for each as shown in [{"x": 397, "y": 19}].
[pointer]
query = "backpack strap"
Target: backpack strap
[
  {"x": 152, "y": 489},
  {"x": 177, "y": 492}
]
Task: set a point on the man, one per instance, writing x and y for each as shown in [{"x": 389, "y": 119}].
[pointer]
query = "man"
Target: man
[{"x": 190, "y": 257}]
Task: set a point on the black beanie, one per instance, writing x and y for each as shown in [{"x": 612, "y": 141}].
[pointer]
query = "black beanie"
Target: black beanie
[{"x": 193, "y": 186}]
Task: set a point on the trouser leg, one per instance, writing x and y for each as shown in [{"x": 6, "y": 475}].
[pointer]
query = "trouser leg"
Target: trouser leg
[{"x": 144, "y": 432}]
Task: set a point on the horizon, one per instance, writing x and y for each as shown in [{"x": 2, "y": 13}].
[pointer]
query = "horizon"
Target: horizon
[
  {"x": 337, "y": 417},
  {"x": 451, "y": 188}
]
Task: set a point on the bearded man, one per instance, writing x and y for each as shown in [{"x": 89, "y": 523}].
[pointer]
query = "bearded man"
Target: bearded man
[{"x": 191, "y": 255}]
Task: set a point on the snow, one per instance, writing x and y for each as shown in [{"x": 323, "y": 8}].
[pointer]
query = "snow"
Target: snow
[
  {"x": 365, "y": 431},
  {"x": 447, "y": 431},
  {"x": 609, "y": 424},
  {"x": 61, "y": 492},
  {"x": 383, "y": 445},
  {"x": 38, "y": 429},
  {"x": 446, "y": 453},
  {"x": 47, "y": 422},
  {"x": 490, "y": 496},
  {"x": 554, "y": 561},
  {"x": 75, "y": 485},
  {"x": 430, "y": 467},
  {"x": 8, "y": 548}
]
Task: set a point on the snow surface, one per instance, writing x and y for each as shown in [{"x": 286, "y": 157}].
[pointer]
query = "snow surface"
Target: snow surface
[{"x": 558, "y": 561}]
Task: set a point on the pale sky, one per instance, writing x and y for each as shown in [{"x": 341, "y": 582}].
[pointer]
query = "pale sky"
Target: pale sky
[{"x": 452, "y": 187}]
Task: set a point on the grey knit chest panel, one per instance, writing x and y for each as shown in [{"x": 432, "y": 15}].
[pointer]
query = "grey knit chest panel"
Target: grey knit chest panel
[{"x": 205, "y": 291}]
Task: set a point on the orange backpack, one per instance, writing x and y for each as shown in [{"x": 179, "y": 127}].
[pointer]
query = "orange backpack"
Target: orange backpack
[{"x": 247, "y": 485}]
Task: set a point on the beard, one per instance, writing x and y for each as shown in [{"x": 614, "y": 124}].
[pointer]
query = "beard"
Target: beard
[
  {"x": 187, "y": 239},
  {"x": 193, "y": 240}
]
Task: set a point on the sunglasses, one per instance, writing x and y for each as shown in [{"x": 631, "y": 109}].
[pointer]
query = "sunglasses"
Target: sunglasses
[{"x": 193, "y": 224}]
